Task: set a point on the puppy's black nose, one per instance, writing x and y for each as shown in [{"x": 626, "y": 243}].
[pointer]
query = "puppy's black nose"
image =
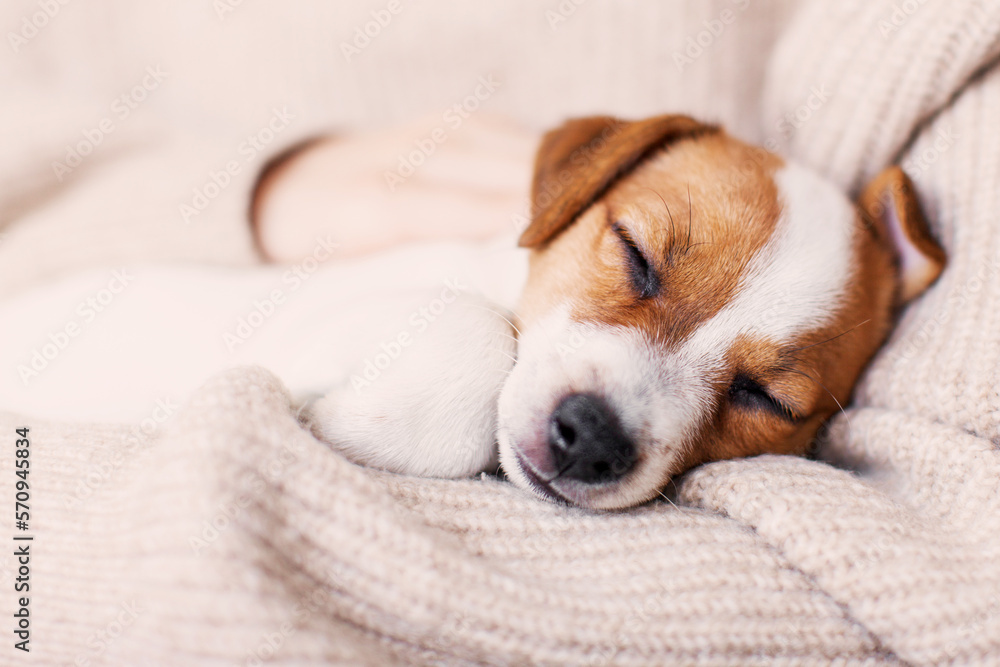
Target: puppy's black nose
[{"x": 588, "y": 444}]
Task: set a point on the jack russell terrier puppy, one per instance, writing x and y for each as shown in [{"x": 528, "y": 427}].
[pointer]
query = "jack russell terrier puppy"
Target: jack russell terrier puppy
[{"x": 679, "y": 297}]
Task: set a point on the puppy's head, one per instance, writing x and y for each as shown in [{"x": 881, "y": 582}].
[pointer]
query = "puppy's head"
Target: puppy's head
[{"x": 690, "y": 299}]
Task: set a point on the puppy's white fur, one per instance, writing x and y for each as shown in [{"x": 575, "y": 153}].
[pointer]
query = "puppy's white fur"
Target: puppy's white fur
[
  {"x": 430, "y": 411},
  {"x": 792, "y": 284}
]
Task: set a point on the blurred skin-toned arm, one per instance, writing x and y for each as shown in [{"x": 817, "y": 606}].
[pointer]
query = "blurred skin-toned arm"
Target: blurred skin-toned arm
[{"x": 366, "y": 191}]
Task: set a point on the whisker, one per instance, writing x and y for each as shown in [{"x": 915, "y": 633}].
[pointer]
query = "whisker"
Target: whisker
[
  {"x": 843, "y": 333},
  {"x": 497, "y": 313},
  {"x": 505, "y": 335},
  {"x": 499, "y": 351},
  {"x": 839, "y": 406},
  {"x": 669, "y": 215},
  {"x": 560, "y": 472},
  {"x": 664, "y": 496},
  {"x": 514, "y": 327},
  {"x": 690, "y": 217}
]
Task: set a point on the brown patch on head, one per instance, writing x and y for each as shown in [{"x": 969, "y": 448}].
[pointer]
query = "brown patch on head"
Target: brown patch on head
[
  {"x": 814, "y": 375},
  {"x": 781, "y": 419},
  {"x": 896, "y": 258},
  {"x": 697, "y": 211},
  {"x": 578, "y": 162}
]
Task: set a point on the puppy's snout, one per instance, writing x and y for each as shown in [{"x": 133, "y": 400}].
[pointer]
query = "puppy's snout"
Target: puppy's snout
[{"x": 587, "y": 441}]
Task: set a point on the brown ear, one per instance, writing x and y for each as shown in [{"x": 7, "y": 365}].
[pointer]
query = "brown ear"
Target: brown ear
[
  {"x": 577, "y": 162},
  {"x": 890, "y": 202}
]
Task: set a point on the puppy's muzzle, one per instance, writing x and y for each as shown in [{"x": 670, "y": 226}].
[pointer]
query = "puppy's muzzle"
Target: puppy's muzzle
[{"x": 587, "y": 441}]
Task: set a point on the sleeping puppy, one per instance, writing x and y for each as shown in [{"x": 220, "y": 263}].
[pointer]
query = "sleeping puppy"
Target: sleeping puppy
[
  {"x": 679, "y": 297},
  {"x": 690, "y": 298},
  {"x": 720, "y": 302}
]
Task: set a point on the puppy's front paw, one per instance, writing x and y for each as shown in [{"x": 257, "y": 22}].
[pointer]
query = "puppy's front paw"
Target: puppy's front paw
[{"x": 427, "y": 408}]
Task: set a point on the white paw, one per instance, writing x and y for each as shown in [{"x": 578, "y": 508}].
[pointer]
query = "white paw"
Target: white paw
[{"x": 428, "y": 407}]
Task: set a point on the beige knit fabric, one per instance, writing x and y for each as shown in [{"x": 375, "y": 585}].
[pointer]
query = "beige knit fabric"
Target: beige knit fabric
[
  {"x": 886, "y": 67},
  {"x": 230, "y": 536}
]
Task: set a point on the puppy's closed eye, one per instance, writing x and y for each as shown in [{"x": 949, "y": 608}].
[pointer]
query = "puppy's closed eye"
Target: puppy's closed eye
[
  {"x": 749, "y": 394},
  {"x": 643, "y": 278}
]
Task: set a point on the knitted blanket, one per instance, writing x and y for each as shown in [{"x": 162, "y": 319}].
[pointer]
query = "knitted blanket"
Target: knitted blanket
[{"x": 226, "y": 534}]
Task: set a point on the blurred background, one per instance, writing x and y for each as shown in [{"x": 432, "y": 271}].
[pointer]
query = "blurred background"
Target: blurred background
[{"x": 116, "y": 115}]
